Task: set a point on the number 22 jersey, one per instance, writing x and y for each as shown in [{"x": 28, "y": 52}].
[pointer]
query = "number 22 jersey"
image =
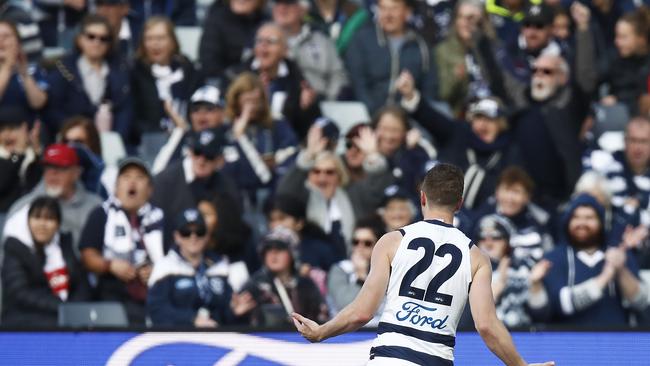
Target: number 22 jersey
[{"x": 427, "y": 291}]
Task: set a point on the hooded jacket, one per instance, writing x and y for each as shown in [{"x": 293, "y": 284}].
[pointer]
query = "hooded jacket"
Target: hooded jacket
[{"x": 570, "y": 301}]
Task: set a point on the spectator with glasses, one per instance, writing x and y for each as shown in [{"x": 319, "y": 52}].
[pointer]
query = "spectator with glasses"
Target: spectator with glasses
[
  {"x": 91, "y": 82},
  {"x": 123, "y": 238},
  {"x": 347, "y": 276},
  {"x": 199, "y": 174},
  {"x": 189, "y": 287}
]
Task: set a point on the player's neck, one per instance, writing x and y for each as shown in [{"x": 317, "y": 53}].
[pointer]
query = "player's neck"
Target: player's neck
[{"x": 437, "y": 214}]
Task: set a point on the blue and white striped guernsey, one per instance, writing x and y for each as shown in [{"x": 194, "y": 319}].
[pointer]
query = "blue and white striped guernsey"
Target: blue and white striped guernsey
[{"x": 427, "y": 292}]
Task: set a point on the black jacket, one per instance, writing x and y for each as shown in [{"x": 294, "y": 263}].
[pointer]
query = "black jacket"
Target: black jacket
[
  {"x": 27, "y": 298},
  {"x": 148, "y": 109},
  {"x": 457, "y": 144},
  {"x": 225, "y": 37}
]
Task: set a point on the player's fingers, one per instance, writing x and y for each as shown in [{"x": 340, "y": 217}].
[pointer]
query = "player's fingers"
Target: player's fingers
[
  {"x": 298, "y": 317},
  {"x": 298, "y": 325}
]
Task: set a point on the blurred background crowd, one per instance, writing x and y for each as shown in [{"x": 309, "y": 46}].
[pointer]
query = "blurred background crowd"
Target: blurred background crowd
[{"x": 209, "y": 163}]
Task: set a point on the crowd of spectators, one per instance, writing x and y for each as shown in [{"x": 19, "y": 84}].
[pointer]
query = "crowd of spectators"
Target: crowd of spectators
[{"x": 238, "y": 201}]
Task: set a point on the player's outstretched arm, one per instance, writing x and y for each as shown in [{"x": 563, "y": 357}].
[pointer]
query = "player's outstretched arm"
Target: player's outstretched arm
[
  {"x": 494, "y": 333},
  {"x": 363, "y": 308}
]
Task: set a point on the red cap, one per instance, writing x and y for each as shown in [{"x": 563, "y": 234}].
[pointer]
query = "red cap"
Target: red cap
[{"x": 60, "y": 155}]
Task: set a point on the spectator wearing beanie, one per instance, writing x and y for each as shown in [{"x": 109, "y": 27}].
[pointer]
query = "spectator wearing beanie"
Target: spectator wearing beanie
[
  {"x": 123, "y": 238},
  {"x": 277, "y": 288},
  {"x": 40, "y": 269},
  {"x": 187, "y": 287},
  {"x": 61, "y": 180}
]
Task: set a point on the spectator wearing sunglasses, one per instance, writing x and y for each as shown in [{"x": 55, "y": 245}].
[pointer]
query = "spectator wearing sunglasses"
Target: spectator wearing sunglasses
[
  {"x": 162, "y": 81},
  {"x": 536, "y": 39},
  {"x": 189, "y": 286},
  {"x": 91, "y": 82},
  {"x": 346, "y": 277},
  {"x": 123, "y": 238},
  {"x": 199, "y": 174}
]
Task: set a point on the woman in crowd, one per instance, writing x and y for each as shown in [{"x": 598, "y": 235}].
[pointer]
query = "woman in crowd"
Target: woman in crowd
[
  {"x": 162, "y": 82},
  {"x": 187, "y": 287},
  {"x": 20, "y": 85},
  {"x": 90, "y": 82},
  {"x": 278, "y": 289},
  {"x": 347, "y": 276},
  {"x": 40, "y": 270},
  {"x": 628, "y": 71},
  {"x": 229, "y": 239},
  {"x": 265, "y": 147},
  {"x": 403, "y": 148}
]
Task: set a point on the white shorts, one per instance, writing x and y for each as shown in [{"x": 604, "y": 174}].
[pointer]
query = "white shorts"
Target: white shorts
[{"x": 388, "y": 361}]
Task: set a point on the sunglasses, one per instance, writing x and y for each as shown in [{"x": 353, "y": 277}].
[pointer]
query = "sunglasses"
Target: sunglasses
[
  {"x": 205, "y": 154},
  {"x": 535, "y": 25},
  {"x": 349, "y": 144},
  {"x": 544, "y": 70},
  {"x": 267, "y": 41},
  {"x": 186, "y": 232},
  {"x": 97, "y": 37},
  {"x": 328, "y": 172},
  {"x": 366, "y": 243}
]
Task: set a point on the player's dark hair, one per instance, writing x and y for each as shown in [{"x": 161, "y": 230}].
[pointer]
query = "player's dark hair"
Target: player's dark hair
[{"x": 443, "y": 186}]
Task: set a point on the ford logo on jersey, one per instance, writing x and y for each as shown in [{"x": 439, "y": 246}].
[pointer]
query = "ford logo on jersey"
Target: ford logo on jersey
[{"x": 419, "y": 315}]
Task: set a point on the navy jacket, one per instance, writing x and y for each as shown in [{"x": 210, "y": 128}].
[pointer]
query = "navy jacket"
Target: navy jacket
[
  {"x": 67, "y": 97},
  {"x": 457, "y": 144},
  {"x": 175, "y": 296}
]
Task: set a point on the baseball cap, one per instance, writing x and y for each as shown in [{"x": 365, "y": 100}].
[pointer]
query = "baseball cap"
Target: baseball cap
[
  {"x": 394, "y": 192},
  {"x": 208, "y": 143},
  {"x": 60, "y": 155},
  {"x": 133, "y": 161},
  {"x": 190, "y": 216},
  {"x": 208, "y": 94},
  {"x": 539, "y": 14},
  {"x": 279, "y": 238},
  {"x": 487, "y": 107}
]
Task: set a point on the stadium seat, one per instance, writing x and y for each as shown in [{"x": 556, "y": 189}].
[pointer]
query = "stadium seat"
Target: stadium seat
[
  {"x": 609, "y": 126},
  {"x": 188, "y": 38},
  {"x": 345, "y": 114},
  {"x": 92, "y": 314},
  {"x": 112, "y": 147}
]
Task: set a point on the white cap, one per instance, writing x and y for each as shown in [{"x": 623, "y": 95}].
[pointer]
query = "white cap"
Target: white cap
[{"x": 207, "y": 94}]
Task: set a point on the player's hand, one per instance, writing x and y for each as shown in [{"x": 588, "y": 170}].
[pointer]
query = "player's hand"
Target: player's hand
[
  {"x": 307, "y": 327},
  {"x": 549, "y": 363}
]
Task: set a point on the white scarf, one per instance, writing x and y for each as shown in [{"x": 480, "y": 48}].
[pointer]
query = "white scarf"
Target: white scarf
[
  {"x": 120, "y": 238},
  {"x": 54, "y": 268},
  {"x": 165, "y": 78}
]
